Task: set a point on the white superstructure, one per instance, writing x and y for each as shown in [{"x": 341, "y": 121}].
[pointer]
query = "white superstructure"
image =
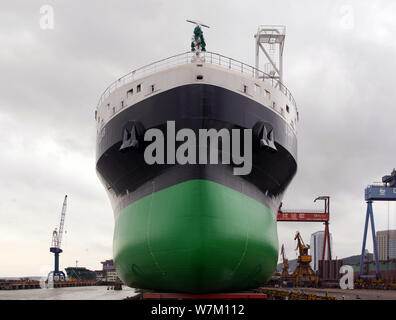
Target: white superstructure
[{"x": 183, "y": 69}]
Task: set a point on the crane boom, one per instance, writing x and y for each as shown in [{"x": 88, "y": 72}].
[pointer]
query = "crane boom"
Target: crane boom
[
  {"x": 62, "y": 222},
  {"x": 283, "y": 252},
  {"x": 285, "y": 264},
  {"x": 56, "y": 244}
]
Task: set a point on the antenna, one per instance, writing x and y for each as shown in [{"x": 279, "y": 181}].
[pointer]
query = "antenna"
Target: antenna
[
  {"x": 200, "y": 24},
  {"x": 198, "y": 43}
]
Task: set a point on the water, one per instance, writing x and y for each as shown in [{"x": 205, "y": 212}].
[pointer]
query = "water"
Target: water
[{"x": 71, "y": 293}]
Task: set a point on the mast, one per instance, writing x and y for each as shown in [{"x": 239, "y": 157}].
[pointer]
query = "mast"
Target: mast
[{"x": 271, "y": 40}]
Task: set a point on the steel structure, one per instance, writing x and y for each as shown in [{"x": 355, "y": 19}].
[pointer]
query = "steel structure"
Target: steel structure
[
  {"x": 271, "y": 41},
  {"x": 303, "y": 272},
  {"x": 285, "y": 263},
  {"x": 303, "y": 215},
  {"x": 56, "y": 245},
  {"x": 385, "y": 191}
]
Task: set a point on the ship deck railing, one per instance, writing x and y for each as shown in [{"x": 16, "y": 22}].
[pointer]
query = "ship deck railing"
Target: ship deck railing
[
  {"x": 377, "y": 184},
  {"x": 189, "y": 57}
]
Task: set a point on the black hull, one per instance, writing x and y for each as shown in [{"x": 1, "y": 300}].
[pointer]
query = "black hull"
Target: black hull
[{"x": 128, "y": 178}]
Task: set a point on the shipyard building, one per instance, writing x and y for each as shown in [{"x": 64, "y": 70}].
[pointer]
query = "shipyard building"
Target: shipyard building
[
  {"x": 386, "y": 244},
  {"x": 108, "y": 272},
  {"x": 316, "y": 244}
]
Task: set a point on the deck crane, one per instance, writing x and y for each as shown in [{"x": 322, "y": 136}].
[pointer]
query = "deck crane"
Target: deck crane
[
  {"x": 56, "y": 245},
  {"x": 303, "y": 273}
]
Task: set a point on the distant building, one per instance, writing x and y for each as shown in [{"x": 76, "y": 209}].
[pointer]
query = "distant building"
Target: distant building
[
  {"x": 386, "y": 244},
  {"x": 109, "y": 272},
  {"x": 108, "y": 264},
  {"x": 112, "y": 276},
  {"x": 100, "y": 275},
  {"x": 316, "y": 251}
]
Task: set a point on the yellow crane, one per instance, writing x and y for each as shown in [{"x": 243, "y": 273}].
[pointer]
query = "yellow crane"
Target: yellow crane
[{"x": 304, "y": 274}]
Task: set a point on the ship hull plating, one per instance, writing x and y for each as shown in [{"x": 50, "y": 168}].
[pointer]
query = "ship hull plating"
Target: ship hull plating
[{"x": 195, "y": 228}]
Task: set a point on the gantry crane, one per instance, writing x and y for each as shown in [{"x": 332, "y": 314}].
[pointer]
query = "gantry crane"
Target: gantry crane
[
  {"x": 56, "y": 245},
  {"x": 385, "y": 191},
  {"x": 303, "y": 273},
  {"x": 303, "y": 215}
]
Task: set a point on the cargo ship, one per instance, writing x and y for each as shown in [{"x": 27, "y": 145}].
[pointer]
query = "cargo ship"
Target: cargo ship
[
  {"x": 80, "y": 273},
  {"x": 198, "y": 226}
]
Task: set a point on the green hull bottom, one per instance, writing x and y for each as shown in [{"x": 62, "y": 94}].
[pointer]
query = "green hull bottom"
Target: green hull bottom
[{"x": 197, "y": 236}]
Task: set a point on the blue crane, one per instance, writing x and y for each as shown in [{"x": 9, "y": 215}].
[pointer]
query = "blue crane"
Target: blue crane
[
  {"x": 385, "y": 191},
  {"x": 56, "y": 245}
]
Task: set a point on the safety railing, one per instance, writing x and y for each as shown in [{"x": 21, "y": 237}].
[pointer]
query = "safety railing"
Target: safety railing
[
  {"x": 376, "y": 184},
  {"x": 190, "y": 57}
]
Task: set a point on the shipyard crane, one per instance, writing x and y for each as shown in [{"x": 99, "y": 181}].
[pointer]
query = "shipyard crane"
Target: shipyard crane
[
  {"x": 56, "y": 245},
  {"x": 303, "y": 273},
  {"x": 285, "y": 264},
  {"x": 304, "y": 215},
  {"x": 385, "y": 191}
]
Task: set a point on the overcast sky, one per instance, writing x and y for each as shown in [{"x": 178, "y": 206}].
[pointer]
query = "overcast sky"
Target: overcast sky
[{"x": 339, "y": 62}]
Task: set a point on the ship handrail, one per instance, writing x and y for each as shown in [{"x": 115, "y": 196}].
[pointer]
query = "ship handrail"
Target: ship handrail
[
  {"x": 186, "y": 58},
  {"x": 376, "y": 184}
]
